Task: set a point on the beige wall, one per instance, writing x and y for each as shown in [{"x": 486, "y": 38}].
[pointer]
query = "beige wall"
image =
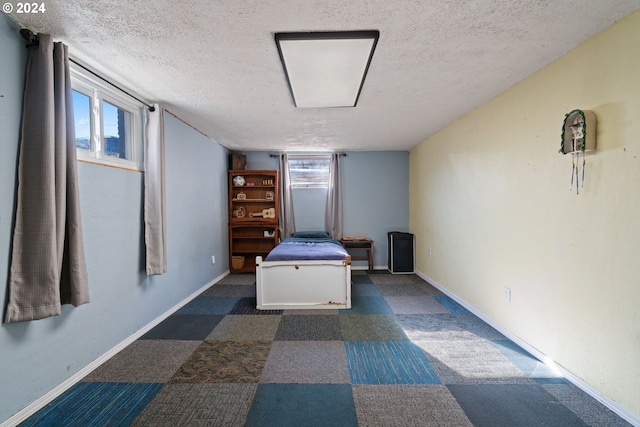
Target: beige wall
[{"x": 490, "y": 196}]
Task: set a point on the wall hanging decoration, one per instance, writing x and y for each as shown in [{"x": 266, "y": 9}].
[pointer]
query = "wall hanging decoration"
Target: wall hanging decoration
[{"x": 578, "y": 137}]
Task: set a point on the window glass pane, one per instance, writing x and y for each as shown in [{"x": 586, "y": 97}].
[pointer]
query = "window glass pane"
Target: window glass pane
[
  {"x": 309, "y": 172},
  {"x": 82, "y": 117},
  {"x": 115, "y": 130}
]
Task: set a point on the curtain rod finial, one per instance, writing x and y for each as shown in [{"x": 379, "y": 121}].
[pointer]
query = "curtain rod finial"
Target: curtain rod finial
[{"x": 29, "y": 36}]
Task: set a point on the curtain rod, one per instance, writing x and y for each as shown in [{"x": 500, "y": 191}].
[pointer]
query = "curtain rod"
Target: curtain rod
[
  {"x": 32, "y": 40},
  {"x": 310, "y": 154}
]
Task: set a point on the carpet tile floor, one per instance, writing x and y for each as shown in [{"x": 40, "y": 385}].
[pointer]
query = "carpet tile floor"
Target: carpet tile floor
[{"x": 404, "y": 355}]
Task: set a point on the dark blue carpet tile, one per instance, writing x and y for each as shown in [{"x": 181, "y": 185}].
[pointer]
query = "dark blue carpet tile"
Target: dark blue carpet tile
[
  {"x": 527, "y": 363},
  {"x": 365, "y": 291},
  {"x": 309, "y": 328},
  {"x": 184, "y": 327},
  {"x": 553, "y": 380},
  {"x": 309, "y": 405},
  {"x": 96, "y": 404},
  {"x": 388, "y": 362},
  {"x": 451, "y": 305},
  {"x": 368, "y": 305},
  {"x": 509, "y": 405},
  {"x": 248, "y": 306},
  {"x": 209, "y": 305},
  {"x": 361, "y": 279}
]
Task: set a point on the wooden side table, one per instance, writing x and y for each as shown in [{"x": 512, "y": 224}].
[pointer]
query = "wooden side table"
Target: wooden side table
[{"x": 359, "y": 244}]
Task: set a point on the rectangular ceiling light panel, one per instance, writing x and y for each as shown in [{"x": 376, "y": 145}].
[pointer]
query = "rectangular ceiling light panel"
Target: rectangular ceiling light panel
[{"x": 326, "y": 69}]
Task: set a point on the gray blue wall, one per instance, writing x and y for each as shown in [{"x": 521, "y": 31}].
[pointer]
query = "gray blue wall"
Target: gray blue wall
[
  {"x": 375, "y": 187},
  {"x": 37, "y": 356}
]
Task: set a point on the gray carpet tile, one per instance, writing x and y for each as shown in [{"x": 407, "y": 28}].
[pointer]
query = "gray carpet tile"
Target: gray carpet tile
[
  {"x": 444, "y": 334},
  {"x": 310, "y": 312},
  {"x": 471, "y": 361},
  {"x": 474, "y": 324},
  {"x": 407, "y": 405},
  {"x": 198, "y": 405},
  {"x": 320, "y": 362},
  {"x": 317, "y": 327},
  {"x": 380, "y": 277},
  {"x": 184, "y": 327},
  {"x": 528, "y": 364},
  {"x": 224, "y": 362},
  {"x": 585, "y": 406},
  {"x": 371, "y": 327},
  {"x": 146, "y": 361},
  {"x": 415, "y": 304},
  {"x": 238, "y": 279},
  {"x": 406, "y": 289},
  {"x": 245, "y": 328},
  {"x": 416, "y": 323},
  {"x": 512, "y": 405},
  {"x": 230, "y": 290}
]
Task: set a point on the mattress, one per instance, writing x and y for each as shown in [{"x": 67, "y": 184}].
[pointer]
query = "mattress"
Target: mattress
[{"x": 299, "y": 249}]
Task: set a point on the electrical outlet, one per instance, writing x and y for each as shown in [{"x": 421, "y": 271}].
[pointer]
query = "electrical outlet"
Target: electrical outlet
[
  {"x": 213, "y": 259},
  {"x": 507, "y": 294},
  {"x": 429, "y": 250}
]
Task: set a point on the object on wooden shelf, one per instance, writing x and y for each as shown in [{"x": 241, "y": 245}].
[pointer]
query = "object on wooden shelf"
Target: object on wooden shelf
[
  {"x": 241, "y": 196},
  {"x": 239, "y": 212},
  {"x": 237, "y": 161},
  {"x": 238, "y": 181},
  {"x": 266, "y": 213},
  {"x": 269, "y": 195},
  {"x": 237, "y": 262}
]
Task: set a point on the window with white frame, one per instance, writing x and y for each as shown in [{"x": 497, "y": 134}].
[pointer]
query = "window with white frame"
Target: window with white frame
[
  {"x": 309, "y": 171},
  {"x": 108, "y": 123}
]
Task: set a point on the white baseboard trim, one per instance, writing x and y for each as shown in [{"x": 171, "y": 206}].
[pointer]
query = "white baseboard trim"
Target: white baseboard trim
[
  {"x": 41, "y": 402},
  {"x": 587, "y": 388}
]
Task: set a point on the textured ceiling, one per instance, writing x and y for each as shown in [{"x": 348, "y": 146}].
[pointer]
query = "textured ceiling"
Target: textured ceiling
[{"x": 215, "y": 65}]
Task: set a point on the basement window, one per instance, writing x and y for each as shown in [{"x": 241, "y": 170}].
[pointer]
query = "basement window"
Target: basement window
[
  {"x": 108, "y": 123},
  {"x": 310, "y": 171}
]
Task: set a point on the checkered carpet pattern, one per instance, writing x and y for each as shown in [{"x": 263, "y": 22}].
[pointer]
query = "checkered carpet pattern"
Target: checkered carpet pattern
[{"x": 404, "y": 355}]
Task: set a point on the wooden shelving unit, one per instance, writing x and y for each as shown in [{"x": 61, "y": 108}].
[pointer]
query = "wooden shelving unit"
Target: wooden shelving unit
[{"x": 253, "y": 217}]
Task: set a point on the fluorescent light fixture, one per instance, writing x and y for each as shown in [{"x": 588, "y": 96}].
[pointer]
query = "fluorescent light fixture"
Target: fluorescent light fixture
[{"x": 326, "y": 69}]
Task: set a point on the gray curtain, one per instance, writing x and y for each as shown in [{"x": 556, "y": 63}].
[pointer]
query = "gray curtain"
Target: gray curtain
[
  {"x": 155, "y": 229},
  {"x": 286, "y": 221},
  {"x": 333, "y": 215},
  {"x": 48, "y": 266}
]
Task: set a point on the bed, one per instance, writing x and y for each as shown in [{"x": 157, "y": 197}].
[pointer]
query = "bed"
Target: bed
[{"x": 306, "y": 271}]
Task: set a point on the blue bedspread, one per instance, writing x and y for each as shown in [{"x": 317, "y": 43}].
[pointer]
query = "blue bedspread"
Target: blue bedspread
[{"x": 297, "y": 249}]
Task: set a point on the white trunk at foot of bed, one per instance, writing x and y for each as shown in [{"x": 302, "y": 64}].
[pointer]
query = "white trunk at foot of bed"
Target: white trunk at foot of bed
[{"x": 303, "y": 284}]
